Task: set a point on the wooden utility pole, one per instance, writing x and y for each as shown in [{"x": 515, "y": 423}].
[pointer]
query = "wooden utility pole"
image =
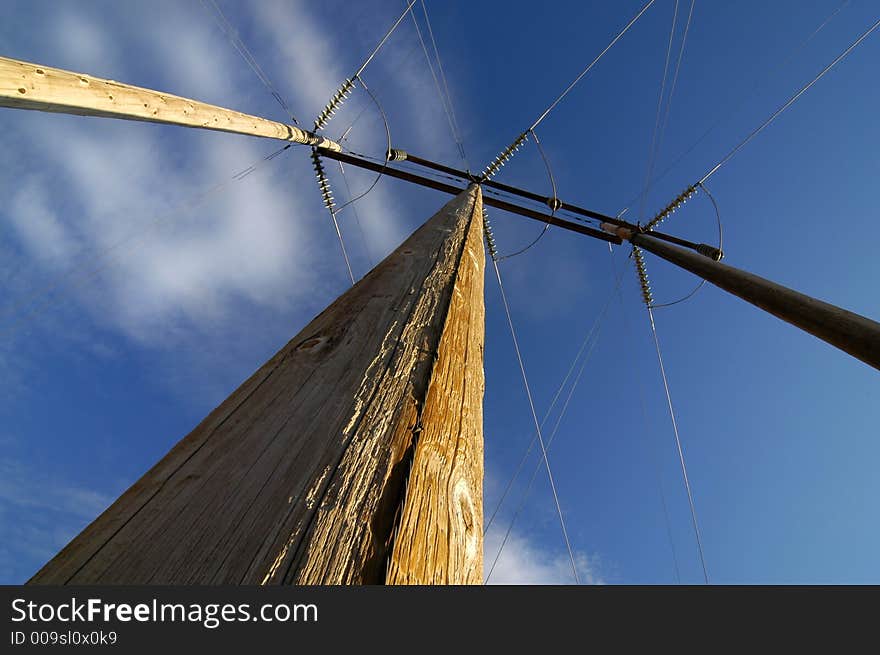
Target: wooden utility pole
[
  {"x": 24, "y": 85},
  {"x": 354, "y": 455}
]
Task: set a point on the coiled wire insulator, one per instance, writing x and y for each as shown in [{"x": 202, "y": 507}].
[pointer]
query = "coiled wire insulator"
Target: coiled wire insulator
[
  {"x": 323, "y": 182},
  {"x": 490, "y": 238},
  {"x": 505, "y": 155},
  {"x": 338, "y": 98},
  {"x": 680, "y": 199},
  {"x": 642, "y": 270}
]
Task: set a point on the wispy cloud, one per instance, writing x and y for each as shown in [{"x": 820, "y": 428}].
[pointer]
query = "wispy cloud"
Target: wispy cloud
[
  {"x": 40, "y": 514},
  {"x": 261, "y": 242},
  {"x": 525, "y": 562},
  {"x": 137, "y": 235}
]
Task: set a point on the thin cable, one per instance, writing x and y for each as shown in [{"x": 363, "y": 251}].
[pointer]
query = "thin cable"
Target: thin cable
[
  {"x": 554, "y": 197},
  {"x": 342, "y": 93},
  {"x": 443, "y": 100},
  {"x": 733, "y": 108},
  {"x": 587, "y": 339},
  {"x": 387, "y": 149},
  {"x": 687, "y": 484},
  {"x": 234, "y": 38},
  {"x": 334, "y": 211},
  {"x": 357, "y": 218},
  {"x": 537, "y": 424},
  {"x": 342, "y": 246},
  {"x": 659, "y": 472},
  {"x": 591, "y": 339},
  {"x": 720, "y": 247},
  {"x": 504, "y": 156},
  {"x": 790, "y": 101},
  {"x": 684, "y": 37},
  {"x": 456, "y": 129},
  {"x": 592, "y": 63},
  {"x": 652, "y": 150},
  {"x": 363, "y": 110},
  {"x": 384, "y": 39}
]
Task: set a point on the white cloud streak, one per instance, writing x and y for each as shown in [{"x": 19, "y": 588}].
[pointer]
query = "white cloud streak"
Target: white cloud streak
[
  {"x": 525, "y": 562},
  {"x": 39, "y": 514},
  {"x": 112, "y": 215},
  {"x": 258, "y": 240}
]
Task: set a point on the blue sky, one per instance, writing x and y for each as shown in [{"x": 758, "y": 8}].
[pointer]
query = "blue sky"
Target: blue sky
[{"x": 138, "y": 294}]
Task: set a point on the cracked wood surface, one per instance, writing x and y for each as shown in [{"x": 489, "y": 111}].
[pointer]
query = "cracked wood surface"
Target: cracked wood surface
[{"x": 298, "y": 477}]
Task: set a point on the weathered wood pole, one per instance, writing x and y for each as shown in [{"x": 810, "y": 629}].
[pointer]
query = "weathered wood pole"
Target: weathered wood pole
[
  {"x": 851, "y": 332},
  {"x": 24, "y": 85},
  {"x": 354, "y": 455}
]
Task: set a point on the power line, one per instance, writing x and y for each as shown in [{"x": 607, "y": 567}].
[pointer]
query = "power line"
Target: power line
[
  {"x": 457, "y": 130},
  {"x": 720, "y": 248},
  {"x": 357, "y": 218},
  {"x": 234, "y": 38},
  {"x": 652, "y": 151},
  {"x": 591, "y": 339},
  {"x": 535, "y": 419},
  {"x": 684, "y": 474},
  {"x": 445, "y": 99},
  {"x": 348, "y": 84},
  {"x": 684, "y": 37},
  {"x": 508, "y": 152},
  {"x": 586, "y": 341},
  {"x": 590, "y": 66},
  {"x": 629, "y": 332},
  {"x": 732, "y": 108},
  {"x": 788, "y": 103},
  {"x": 384, "y": 39},
  {"x": 554, "y": 199}
]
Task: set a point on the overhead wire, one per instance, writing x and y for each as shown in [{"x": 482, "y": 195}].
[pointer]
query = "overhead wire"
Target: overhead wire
[
  {"x": 387, "y": 128},
  {"x": 684, "y": 473},
  {"x": 554, "y": 204},
  {"x": 327, "y": 114},
  {"x": 788, "y": 103},
  {"x": 237, "y": 43},
  {"x": 652, "y": 150},
  {"x": 658, "y": 471},
  {"x": 508, "y": 152},
  {"x": 646, "y": 290},
  {"x": 445, "y": 97},
  {"x": 457, "y": 129},
  {"x": 330, "y": 204},
  {"x": 345, "y": 89},
  {"x": 720, "y": 247},
  {"x": 384, "y": 39},
  {"x": 537, "y": 424},
  {"x": 731, "y": 108},
  {"x": 586, "y": 341},
  {"x": 684, "y": 37},
  {"x": 354, "y": 211},
  {"x": 641, "y": 271},
  {"x": 591, "y": 339},
  {"x": 590, "y": 66}
]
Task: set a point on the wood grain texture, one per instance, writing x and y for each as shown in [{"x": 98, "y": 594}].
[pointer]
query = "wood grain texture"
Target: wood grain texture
[
  {"x": 445, "y": 487},
  {"x": 24, "y": 85},
  {"x": 298, "y": 477}
]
